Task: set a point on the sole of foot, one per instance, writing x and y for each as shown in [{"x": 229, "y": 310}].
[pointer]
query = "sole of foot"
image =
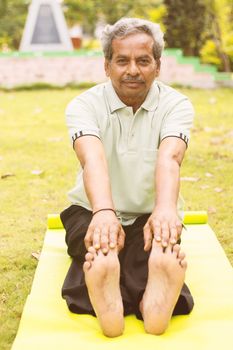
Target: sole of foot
[
  {"x": 102, "y": 276},
  {"x": 166, "y": 273}
]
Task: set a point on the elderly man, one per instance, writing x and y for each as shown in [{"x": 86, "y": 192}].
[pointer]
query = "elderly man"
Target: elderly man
[{"x": 123, "y": 227}]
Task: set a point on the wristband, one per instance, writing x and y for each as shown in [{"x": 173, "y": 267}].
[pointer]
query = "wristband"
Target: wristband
[{"x": 97, "y": 211}]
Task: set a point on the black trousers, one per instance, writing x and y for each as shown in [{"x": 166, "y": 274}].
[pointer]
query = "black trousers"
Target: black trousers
[{"x": 133, "y": 262}]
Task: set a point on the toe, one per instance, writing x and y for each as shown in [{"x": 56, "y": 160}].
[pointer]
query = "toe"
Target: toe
[
  {"x": 86, "y": 266},
  {"x": 176, "y": 249},
  {"x": 89, "y": 257},
  {"x": 183, "y": 263},
  {"x": 181, "y": 255},
  {"x": 92, "y": 251},
  {"x": 182, "y": 260},
  {"x": 157, "y": 246},
  {"x": 113, "y": 251}
]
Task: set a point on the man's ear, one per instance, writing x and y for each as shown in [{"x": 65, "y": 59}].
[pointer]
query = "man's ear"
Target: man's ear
[
  {"x": 106, "y": 67},
  {"x": 158, "y": 63}
]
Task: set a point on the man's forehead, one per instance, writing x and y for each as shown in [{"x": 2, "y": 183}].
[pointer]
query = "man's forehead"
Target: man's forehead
[
  {"x": 135, "y": 37},
  {"x": 141, "y": 43},
  {"x": 137, "y": 55}
]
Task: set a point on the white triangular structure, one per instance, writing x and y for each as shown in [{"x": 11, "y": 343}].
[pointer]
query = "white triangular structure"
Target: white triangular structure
[{"x": 45, "y": 28}]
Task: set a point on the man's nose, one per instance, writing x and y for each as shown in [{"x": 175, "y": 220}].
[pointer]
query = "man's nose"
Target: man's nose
[{"x": 132, "y": 68}]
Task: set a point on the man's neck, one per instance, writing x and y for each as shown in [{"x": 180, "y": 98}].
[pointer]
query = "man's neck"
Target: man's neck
[{"x": 135, "y": 103}]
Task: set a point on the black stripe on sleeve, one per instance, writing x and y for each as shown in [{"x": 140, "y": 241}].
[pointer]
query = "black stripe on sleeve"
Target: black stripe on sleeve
[
  {"x": 79, "y": 134},
  {"x": 182, "y": 137}
]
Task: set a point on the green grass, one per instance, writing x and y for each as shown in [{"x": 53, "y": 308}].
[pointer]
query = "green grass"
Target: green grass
[
  {"x": 210, "y": 159},
  {"x": 33, "y": 136}
]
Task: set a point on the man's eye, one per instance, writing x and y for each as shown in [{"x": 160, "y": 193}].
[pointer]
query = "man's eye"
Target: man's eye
[
  {"x": 121, "y": 61},
  {"x": 144, "y": 62}
]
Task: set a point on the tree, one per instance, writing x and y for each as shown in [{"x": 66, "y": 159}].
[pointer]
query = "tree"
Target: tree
[
  {"x": 113, "y": 10},
  {"x": 185, "y": 23},
  {"x": 157, "y": 14},
  {"x": 89, "y": 12},
  {"x": 84, "y": 12},
  {"x": 13, "y": 15},
  {"x": 3, "y": 7},
  {"x": 218, "y": 46}
]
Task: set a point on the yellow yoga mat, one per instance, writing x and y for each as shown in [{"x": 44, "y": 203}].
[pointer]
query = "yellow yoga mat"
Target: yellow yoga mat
[{"x": 46, "y": 322}]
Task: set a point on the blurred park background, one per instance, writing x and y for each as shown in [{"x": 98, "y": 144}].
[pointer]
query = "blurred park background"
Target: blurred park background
[
  {"x": 198, "y": 36},
  {"x": 37, "y": 163},
  {"x": 202, "y": 28}
]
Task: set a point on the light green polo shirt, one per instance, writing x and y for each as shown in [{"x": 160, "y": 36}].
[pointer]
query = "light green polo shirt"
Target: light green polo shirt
[{"x": 131, "y": 141}]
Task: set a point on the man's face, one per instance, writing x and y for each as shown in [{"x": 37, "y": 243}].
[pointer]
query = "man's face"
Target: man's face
[{"x": 132, "y": 68}]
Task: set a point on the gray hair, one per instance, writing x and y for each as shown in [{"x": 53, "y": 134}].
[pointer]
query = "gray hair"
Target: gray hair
[{"x": 129, "y": 26}]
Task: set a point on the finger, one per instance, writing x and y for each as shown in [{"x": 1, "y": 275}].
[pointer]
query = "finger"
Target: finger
[
  {"x": 104, "y": 240},
  {"x": 165, "y": 234},
  {"x": 96, "y": 238},
  {"x": 121, "y": 239},
  {"x": 156, "y": 230},
  {"x": 113, "y": 236},
  {"x": 173, "y": 235},
  {"x": 179, "y": 228},
  {"x": 148, "y": 237},
  {"x": 88, "y": 240}
]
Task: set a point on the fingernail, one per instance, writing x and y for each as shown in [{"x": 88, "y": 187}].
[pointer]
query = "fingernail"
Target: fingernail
[
  {"x": 173, "y": 241},
  {"x": 97, "y": 246},
  {"x": 158, "y": 238},
  {"x": 104, "y": 250},
  {"x": 164, "y": 244},
  {"x": 112, "y": 245}
]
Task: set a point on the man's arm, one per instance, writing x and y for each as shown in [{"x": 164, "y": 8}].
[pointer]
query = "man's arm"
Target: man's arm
[
  {"x": 104, "y": 230},
  {"x": 164, "y": 223}
]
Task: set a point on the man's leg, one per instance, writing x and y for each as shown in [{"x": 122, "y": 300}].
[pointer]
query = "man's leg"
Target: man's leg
[
  {"x": 166, "y": 273},
  {"x": 102, "y": 276},
  {"x": 92, "y": 275}
]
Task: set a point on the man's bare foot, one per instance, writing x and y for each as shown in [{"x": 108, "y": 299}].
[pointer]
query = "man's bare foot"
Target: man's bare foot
[
  {"x": 166, "y": 272},
  {"x": 102, "y": 276}
]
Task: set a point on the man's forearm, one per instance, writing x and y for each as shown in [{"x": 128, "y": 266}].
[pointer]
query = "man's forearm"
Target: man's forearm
[
  {"x": 90, "y": 153},
  {"x": 104, "y": 231},
  {"x": 97, "y": 184},
  {"x": 167, "y": 183}
]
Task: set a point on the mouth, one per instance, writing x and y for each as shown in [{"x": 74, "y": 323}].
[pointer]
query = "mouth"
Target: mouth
[{"x": 133, "y": 83}]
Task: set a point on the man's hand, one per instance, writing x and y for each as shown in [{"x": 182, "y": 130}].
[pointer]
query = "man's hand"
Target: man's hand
[
  {"x": 105, "y": 232},
  {"x": 164, "y": 226}
]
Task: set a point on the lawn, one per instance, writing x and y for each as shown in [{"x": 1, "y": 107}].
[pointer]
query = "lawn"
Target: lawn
[{"x": 38, "y": 166}]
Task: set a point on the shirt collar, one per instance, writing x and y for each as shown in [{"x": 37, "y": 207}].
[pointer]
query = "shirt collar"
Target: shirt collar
[
  {"x": 150, "y": 103},
  {"x": 114, "y": 102},
  {"x": 152, "y": 99}
]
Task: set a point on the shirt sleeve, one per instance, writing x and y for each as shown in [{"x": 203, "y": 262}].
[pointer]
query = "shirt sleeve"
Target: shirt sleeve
[
  {"x": 178, "y": 121},
  {"x": 81, "y": 119}
]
